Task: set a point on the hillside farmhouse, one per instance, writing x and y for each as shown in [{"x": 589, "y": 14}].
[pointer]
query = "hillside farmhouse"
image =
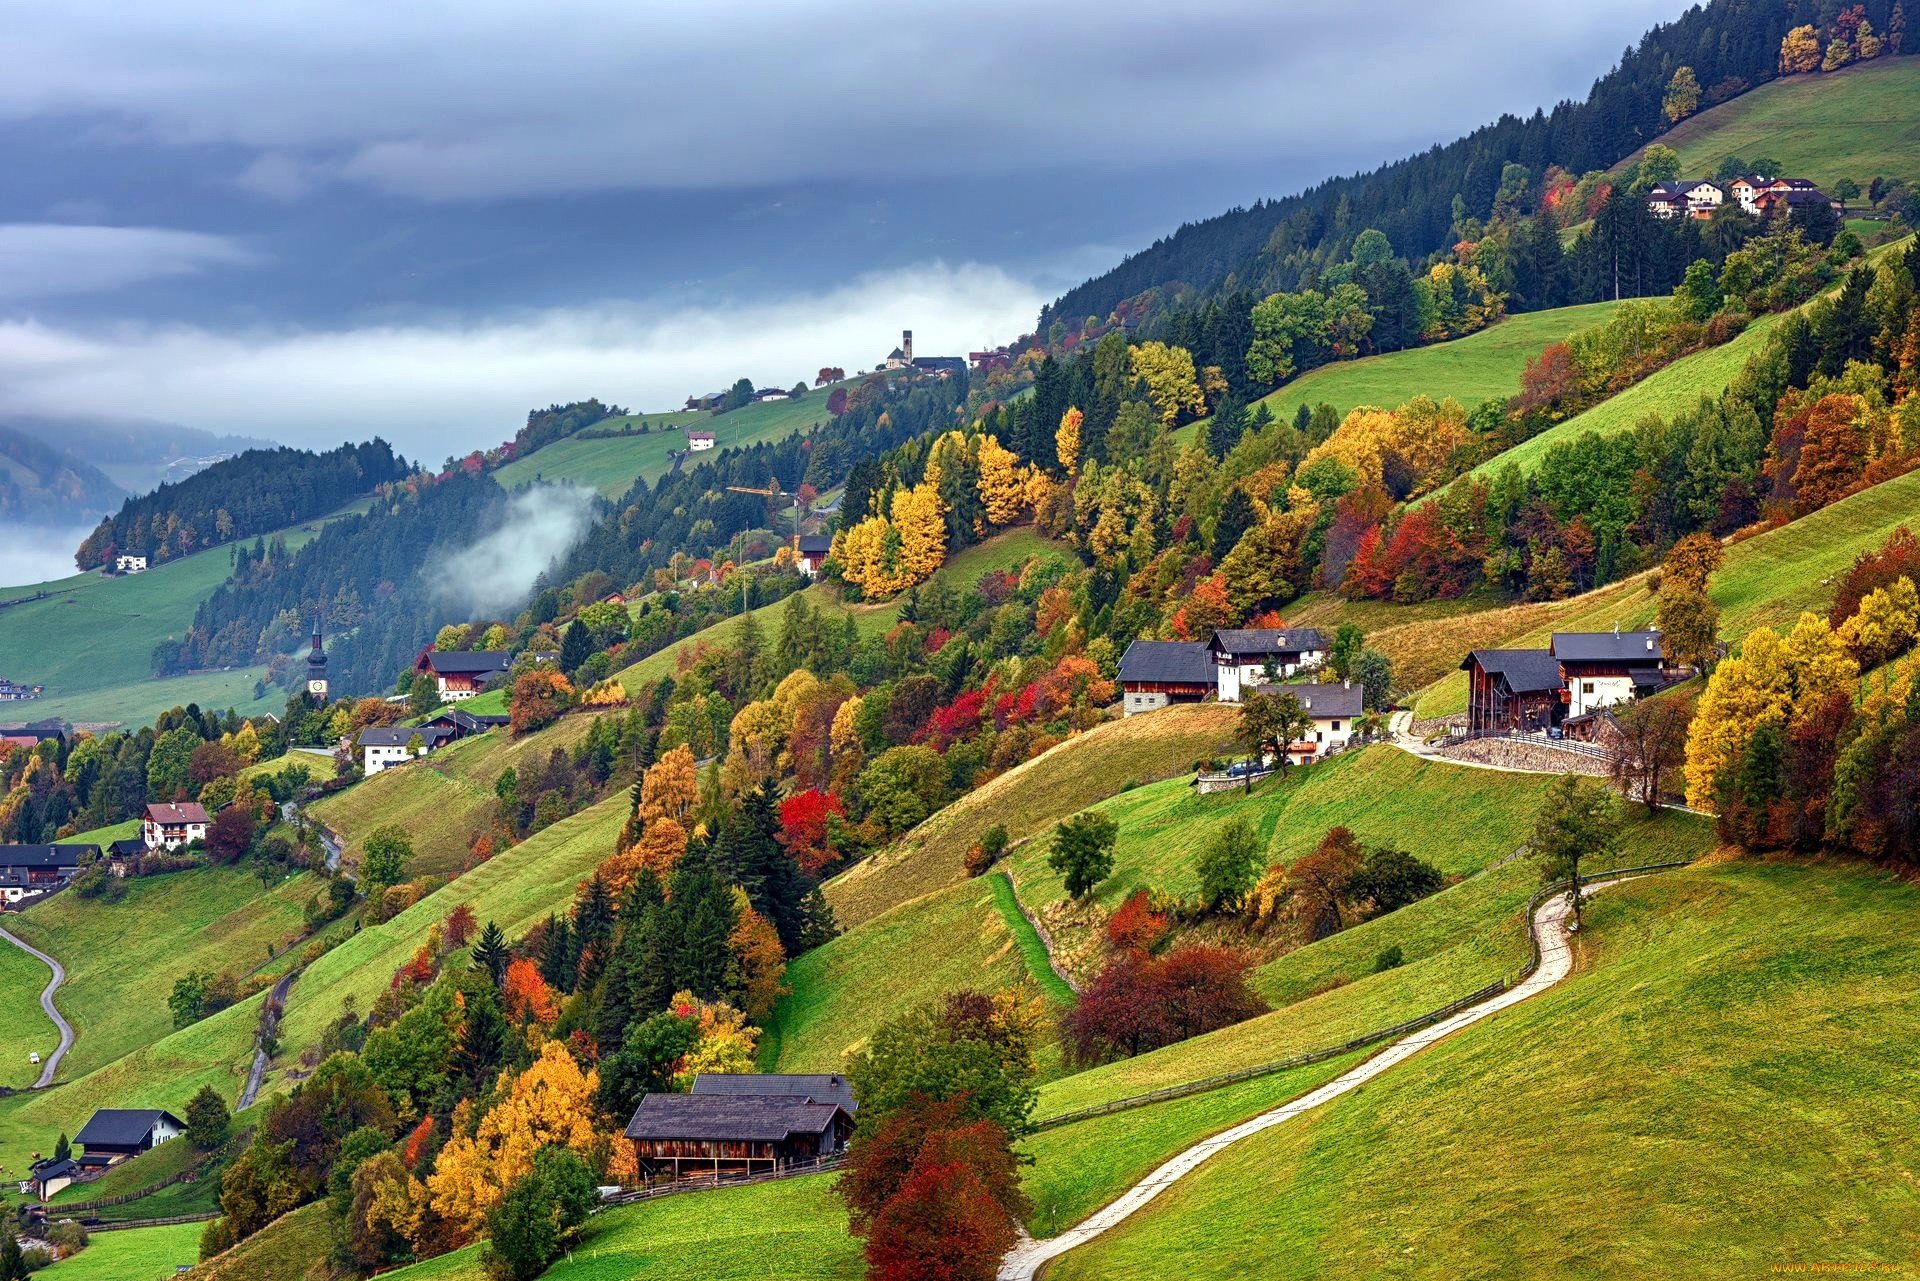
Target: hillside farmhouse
[
  {"x": 112, "y": 1135},
  {"x": 462, "y": 673},
  {"x": 1756, "y": 196},
  {"x": 810, "y": 552},
  {"x": 1154, "y": 673},
  {"x": 383, "y": 747},
  {"x": 1334, "y": 708},
  {"x": 171, "y": 826},
  {"x": 1245, "y": 656},
  {"x": 130, "y": 562},
  {"x": 1529, "y": 691},
  {"x": 699, "y": 441},
  {"x": 15, "y": 692},
  {"x": 742, "y": 1124},
  {"x": 28, "y": 871}
]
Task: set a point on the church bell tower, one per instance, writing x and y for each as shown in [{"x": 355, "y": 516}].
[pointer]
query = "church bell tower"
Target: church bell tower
[{"x": 317, "y": 666}]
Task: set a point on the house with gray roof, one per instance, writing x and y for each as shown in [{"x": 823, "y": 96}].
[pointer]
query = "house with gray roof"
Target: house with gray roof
[
  {"x": 1513, "y": 691},
  {"x": 384, "y": 746},
  {"x": 1245, "y": 656},
  {"x": 126, "y": 1132},
  {"x": 1333, "y": 708},
  {"x": 1154, "y": 673}
]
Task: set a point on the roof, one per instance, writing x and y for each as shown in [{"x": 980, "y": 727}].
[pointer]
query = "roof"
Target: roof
[
  {"x": 815, "y": 544},
  {"x": 465, "y": 662},
  {"x": 472, "y": 722},
  {"x": 699, "y": 435},
  {"x": 1668, "y": 189},
  {"x": 1606, "y": 647},
  {"x": 1323, "y": 701},
  {"x": 44, "y": 855},
  {"x": 48, "y": 1171},
  {"x": 127, "y": 845},
  {"x": 1167, "y": 662},
  {"x": 123, "y": 1127},
  {"x": 175, "y": 815},
  {"x": 939, "y": 362},
  {"x": 400, "y": 735},
  {"x": 764, "y": 1118},
  {"x": 821, "y": 1087},
  {"x": 1266, "y": 640},
  {"x": 1528, "y": 671}
]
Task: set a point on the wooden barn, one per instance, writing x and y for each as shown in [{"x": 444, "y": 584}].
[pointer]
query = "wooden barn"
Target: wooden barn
[{"x": 741, "y": 1124}]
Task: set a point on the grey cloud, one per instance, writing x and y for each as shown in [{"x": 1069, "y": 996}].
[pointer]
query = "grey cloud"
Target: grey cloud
[
  {"x": 492, "y": 98},
  {"x": 44, "y": 260},
  {"x": 447, "y": 388}
]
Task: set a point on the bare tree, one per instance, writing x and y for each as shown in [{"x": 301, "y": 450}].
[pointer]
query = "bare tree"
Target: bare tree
[{"x": 1652, "y": 743}]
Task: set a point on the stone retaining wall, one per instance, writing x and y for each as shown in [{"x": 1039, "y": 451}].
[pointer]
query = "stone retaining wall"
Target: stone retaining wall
[{"x": 1508, "y": 753}]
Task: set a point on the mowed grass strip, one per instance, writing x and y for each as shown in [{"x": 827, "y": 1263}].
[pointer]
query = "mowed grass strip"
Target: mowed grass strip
[
  {"x": 1725, "y": 1083},
  {"x": 24, "y": 1026},
  {"x": 916, "y": 953},
  {"x": 791, "y": 1230},
  {"x": 1030, "y": 798},
  {"x": 122, "y": 958}
]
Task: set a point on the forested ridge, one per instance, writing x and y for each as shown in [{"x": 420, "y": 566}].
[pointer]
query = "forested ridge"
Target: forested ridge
[
  {"x": 1730, "y": 45},
  {"x": 251, "y": 493}
]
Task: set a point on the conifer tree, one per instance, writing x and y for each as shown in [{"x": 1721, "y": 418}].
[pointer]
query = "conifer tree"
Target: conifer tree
[
  {"x": 483, "y": 1039},
  {"x": 490, "y": 953},
  {"x": 557, "y": 957}
]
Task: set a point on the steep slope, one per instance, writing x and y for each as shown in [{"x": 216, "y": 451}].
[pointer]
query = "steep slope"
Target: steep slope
[
  {"x": 1858, "y": 122},
  {"x": 1608, "y": 1127},
  {"x": 42, "y": 482}
]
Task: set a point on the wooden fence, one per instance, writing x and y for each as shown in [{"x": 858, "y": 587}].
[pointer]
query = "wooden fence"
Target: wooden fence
[
  {"x": 178, "y": 1176},
  {"x": 707, "y": 1182},
  {"x": 151, "y": 1223}
]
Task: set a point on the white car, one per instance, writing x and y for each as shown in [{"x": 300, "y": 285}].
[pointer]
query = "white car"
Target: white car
[{"x": 33, "y": 1056}]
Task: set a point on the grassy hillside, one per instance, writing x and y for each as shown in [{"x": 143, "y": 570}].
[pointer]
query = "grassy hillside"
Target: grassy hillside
[
  {"x": 122, "y": 958},
  {"x": 444, "y": 800},
  {"x": 612, "y": 465},
  {"x": 90, "y": 642},
  {"x": 1479, "y": 367},
  {"x": 1002, "y": 551},
  {"x": 1765, "y": 582},
  {"x": 24, "y": 1026},
  {"x": 1854, "y": 123},
  {"x": 133, "y": 1254},
  {"x": 1029, "y": 798},
  {"x": 795, "y": 1230},
  {"x": 966, "y": 936},
  {"x": 1607, "y": 1128},
  {"x": 294, "y": 1247}
]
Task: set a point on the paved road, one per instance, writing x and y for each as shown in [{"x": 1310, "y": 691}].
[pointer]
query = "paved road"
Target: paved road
[
  {"x": 1556, "y": 962},
  {"x": 46, "y": 1003},
  {"x": 258, "y": 1073}
]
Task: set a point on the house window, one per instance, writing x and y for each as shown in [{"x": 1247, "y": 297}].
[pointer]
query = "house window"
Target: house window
[
  {"x": 1586, "y": 687},
  {"x": 1336, "y": 727}
]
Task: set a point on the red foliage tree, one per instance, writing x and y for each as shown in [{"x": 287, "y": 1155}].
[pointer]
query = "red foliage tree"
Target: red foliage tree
[
  {"x": 1897, "y": 558},
  {"x": 1138, "y": 1003},
  {"x": 1551, "y": 381},
  {"x": 837, "y": 401},
  {"x": 806, "y": 828},
  {"x": 1135, "y": 927},
  {"x": 459, "y": 925},
  {"x": 230, "y": 834}
]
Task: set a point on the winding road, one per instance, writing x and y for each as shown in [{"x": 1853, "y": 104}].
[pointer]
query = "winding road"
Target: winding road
[
  {"x": 52, "y": 1062},
  {"x": 258, "y": 1072},
  {"x": 1024, "y": 1261}
]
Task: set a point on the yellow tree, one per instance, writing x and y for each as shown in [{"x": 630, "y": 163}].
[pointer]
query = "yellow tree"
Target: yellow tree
[
  {"x": 1683, "y": 94},
  {"x": 725, "y": 1042},
  {"x": 1818, "y": 664},
  {"x": 1002, "y": 482},
  {"x": 757, "y": 963},
  {"x": 668, "y": 790},
  {"x": 551, "y": 1102},
  {"x": 1743, "y": 693},
  {"x": 1066, "y": 439},
  {"x": 1799, "y": 51},
  {"x": 1171, "y": 380},
  {"x": 921, "y": 522},
  {"x": 1884, "y": 625}
]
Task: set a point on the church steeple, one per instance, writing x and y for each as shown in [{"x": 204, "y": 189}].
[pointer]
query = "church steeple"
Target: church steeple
[{"x": 317, "y": 665}]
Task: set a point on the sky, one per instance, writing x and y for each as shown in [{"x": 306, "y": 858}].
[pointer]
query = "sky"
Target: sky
[{"x": 314, "y": 222}]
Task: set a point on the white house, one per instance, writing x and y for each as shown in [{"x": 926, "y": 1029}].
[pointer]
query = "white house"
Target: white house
[
  {"x": 130, "y": 562},
  {"x": 383, "y": 747},
  {"x": 1245, "y": 656},
  {"x": 1334, "y": 709},
  {"x": 171, "y": 826},
  {"x": 1600, "y": 669},
  {"x": 1702, "y": 198},
  {"x": 699, "y": 441}
]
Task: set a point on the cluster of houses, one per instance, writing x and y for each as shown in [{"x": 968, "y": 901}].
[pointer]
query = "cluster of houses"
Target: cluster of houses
[
  {"x": 12, "y": 691},
  {"x": 110, "y": 1136},
  {"x": 902, "y": 357},
  {"x": 29, "y": 872},
  {"x": 1563, "y": 689},
  {"x": 384, "y": 746},
  {"x": 1760, "y": 197}
]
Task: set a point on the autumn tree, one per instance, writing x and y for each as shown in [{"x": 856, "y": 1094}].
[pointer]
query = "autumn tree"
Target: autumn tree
[
  {"x": 1689, "y": 624},
  {"x": 1771, "y": 682},
  {"x": 1682, "y": 98},
  {"x": 1799, "y": 51},
  {"x": 1692, "y": 561},
  {"x": 1652, "y": 744},
  {"x": 1066, "y": 440},
  {"x": 1139, "y": 1003},
  {"x": 539, "y": 697},
  {"x": 1318, "y": 885},
  {"x": 1002, "y": 485},
  {"x": 1172, "y": 382}
]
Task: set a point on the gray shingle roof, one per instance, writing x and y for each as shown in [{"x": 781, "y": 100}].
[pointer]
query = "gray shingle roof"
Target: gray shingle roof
[
  {"x": 1606, "y": 647},
  {"x": 431, "y": 736},
  {"x": 44, "y": 855},
  {"x": 122, "y": 1127},
  {"x": 743, "y": 1117},
  {"x": 456, "y": 662},
  {"x": 1167, "y": 662},
  {"x": 821, "y": 1087},
  {"x": 815, "y": 544},
  {"x": 1528, "y": 671},
  {"x": 1267, "y": 640},
  {"x": 1323, "y": 701}
]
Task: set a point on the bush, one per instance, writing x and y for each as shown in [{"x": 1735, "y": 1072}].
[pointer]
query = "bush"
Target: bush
[
  {"x": 1389, "y": 959},
  {"x": 1138, "y": 1003},
  {"x": 1083, "y": 851},
  {"x": 1229, "y": 866}
]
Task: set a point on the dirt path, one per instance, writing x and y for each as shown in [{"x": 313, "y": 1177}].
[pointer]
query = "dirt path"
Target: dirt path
[
  {"x": 46, "y": 1003},
  {"x": 258, "y": 1072},
  {"x": 1024, "y": 1261}
]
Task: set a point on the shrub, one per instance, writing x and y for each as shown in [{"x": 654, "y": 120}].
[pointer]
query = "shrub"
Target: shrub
[
  {"x": 1229, "y": 866},
  {"x": 1138, "y": 1003},
  {"x": 1389, "y": 959}
]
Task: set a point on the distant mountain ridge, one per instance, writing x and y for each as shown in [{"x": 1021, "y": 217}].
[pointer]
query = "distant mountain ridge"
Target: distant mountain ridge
[{"x": 44, "y": 483}]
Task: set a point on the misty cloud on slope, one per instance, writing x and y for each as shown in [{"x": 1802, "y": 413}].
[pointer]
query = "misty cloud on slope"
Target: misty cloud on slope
[
  {"x": 493, "y": 575},
  {"x": 435, "y": 390}
]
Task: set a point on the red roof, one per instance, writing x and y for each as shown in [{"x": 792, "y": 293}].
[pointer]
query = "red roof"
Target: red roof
[{"x": 176, "y": 815}]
